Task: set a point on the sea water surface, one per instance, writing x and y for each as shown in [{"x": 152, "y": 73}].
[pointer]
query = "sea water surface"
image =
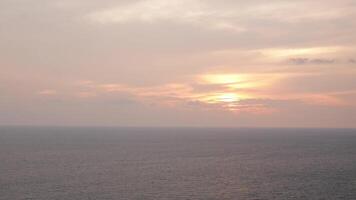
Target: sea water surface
[{"x": 52, "y": 163}]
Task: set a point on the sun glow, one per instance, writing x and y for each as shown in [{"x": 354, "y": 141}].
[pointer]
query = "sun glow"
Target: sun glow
[
  {"x": 223, "y": 78},
  {"x": 226, "y": 91},
  {"x": 240, "y": 81},
  {"x": 228, "y": 97},
  {"x": 234, "y": 89},
  {"x": 231, "y": 85},
  {"x": 221, "y": 97}
]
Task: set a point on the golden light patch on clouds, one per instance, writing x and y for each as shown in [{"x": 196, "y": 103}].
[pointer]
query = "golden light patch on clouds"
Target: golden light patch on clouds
[
  {"x": 238, "y": 88},
  {"x": 293, "y": 52},
  {"x": 242, "y": 81}
]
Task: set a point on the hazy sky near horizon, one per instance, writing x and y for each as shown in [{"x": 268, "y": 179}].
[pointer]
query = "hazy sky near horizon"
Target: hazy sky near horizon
[{"x": 178, "y": 63}]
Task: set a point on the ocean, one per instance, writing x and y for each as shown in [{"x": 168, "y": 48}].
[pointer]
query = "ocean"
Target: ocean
[{"x": 73, "y": 163}]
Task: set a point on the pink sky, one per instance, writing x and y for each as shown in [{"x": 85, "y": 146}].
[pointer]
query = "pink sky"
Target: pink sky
[{"x": 178, "y": 63}]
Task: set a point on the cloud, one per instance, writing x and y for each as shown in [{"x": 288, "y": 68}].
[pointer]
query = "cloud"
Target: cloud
[
  {"x": 180, "y": 11},
  {"x": 231, "y": 92},
  {"x": 352, "y": 61},
  {"x": 311, "y": 51},
  {"x": 305, "y": 61},
  {"x": 235, "y": 16},
  {"x": 47, "y": 92},
  {"x": 324, "y": 100},
  {"x": 231, "y": 59}
]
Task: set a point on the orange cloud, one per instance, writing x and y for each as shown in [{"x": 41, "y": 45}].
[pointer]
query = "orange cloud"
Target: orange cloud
[
  {"x": 232, "y": 92},
  {"x": 226, "y": 94}
]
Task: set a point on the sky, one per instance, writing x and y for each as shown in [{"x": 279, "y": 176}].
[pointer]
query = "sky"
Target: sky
[{"x": 223, "y": 63}]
